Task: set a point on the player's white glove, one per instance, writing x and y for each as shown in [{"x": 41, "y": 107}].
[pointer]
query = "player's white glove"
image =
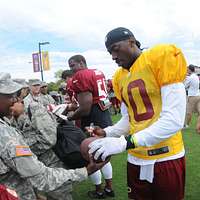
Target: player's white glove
[{"x": 107, "y": 146}]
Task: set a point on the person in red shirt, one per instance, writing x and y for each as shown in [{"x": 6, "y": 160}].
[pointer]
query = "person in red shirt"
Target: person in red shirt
[{"x": 90, "y": 90}]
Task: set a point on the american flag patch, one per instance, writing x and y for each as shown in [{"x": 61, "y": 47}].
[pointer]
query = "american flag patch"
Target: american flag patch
[{"x": 23, "y": 151}]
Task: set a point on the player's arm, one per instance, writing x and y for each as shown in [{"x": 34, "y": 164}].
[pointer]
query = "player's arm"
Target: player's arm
[
  {"x": 171, "y": 120},
  {"x": 120, "y": 128},
  {"x": 85, "y": 101}
]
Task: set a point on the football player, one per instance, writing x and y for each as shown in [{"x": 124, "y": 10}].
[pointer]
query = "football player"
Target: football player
[
  {"x": 156, "y": 102},
  {"x": 90, "y": 90}
]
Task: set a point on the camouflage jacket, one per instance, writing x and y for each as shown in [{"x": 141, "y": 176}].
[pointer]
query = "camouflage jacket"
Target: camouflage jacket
[
  {"x": 38, "y": 130},
  {"x": 47, "y": 99},
  {"x": 30, "y": 99},
  {"x": 18, "y": 162}
]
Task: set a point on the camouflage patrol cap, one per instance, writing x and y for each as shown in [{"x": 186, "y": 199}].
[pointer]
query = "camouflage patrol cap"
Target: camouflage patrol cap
[
  {"x": 21, "y": 82},
  {"x": 43, "y": 84},
  {"x": 7, "y": 85},
  {"x": 32, "y": 82}
]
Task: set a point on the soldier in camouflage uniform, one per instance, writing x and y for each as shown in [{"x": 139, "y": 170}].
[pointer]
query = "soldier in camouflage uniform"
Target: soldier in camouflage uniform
[
  {"x": 39, "y": 132},
  {"x": 20, "y": 169},
  {"x": 34, "y": 96},
  {"x": 46, "y": 98},
  {"x": 38, "y": 128}
]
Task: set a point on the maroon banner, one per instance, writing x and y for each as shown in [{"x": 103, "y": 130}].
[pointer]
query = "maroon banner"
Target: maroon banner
[{"x": 36, "y": 65}]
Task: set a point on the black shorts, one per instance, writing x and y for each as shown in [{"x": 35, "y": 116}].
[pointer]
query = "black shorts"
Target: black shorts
[{"x": 98, "y": 117}]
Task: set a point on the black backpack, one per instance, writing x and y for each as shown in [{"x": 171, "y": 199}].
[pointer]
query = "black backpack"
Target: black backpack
[{"x": 67, "y": 148}]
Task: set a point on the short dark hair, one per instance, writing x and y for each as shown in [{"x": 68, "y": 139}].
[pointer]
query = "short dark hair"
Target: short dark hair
[
  {"x": 66, "y": 73},
  {"x": 78, "y": 58},
  {"x": 192, "y": 67}
]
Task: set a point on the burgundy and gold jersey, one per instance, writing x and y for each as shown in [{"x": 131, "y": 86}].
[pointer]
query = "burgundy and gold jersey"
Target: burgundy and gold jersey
[
  {"x": 91, "y": 80},
  {"x": 141, "y": 92}
]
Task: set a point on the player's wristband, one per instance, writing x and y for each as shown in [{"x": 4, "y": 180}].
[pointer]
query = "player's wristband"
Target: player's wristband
[{"x": 131, "y": 142}]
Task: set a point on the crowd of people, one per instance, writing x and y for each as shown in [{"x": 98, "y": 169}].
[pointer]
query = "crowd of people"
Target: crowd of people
[
  {"x": 148, "y": 89},
  {"x": 35, "y": 116}
]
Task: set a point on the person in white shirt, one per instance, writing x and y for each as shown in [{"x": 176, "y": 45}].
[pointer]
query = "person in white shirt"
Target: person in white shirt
[{"x": 193, "y": 101}]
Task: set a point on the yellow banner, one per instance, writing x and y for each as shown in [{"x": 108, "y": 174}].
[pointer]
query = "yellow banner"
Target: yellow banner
[{"x": 45, "y": 60}]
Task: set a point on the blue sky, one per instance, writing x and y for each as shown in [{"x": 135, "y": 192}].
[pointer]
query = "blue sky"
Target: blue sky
[{"x": 80, "y": 26}]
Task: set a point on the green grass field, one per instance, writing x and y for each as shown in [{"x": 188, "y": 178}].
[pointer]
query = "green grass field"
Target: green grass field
[{"x": 192, "y": 146}]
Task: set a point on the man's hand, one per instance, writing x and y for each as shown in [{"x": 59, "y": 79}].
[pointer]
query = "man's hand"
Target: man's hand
[
  {"x": 93, "y": 166},
  {"x": 108, "y": 146},
  {"x": 95, "y": 131},
  {"x": 72, "y": 106}
]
